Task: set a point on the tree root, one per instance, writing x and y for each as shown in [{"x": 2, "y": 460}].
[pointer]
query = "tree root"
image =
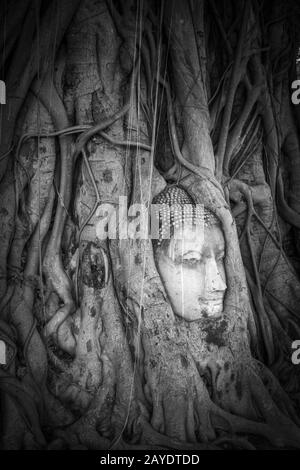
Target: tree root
[{"x": 56, "y": 277}]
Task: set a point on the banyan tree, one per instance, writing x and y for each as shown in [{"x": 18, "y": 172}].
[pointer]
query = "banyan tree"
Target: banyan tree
[{"x": 129, "y": 342}]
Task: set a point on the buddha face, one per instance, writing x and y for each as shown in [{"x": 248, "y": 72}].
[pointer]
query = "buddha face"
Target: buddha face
[{"x": 191, "y": 266}]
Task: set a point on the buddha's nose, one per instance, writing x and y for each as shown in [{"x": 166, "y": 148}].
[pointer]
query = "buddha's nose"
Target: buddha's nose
[{"x": 214, "y": 281}]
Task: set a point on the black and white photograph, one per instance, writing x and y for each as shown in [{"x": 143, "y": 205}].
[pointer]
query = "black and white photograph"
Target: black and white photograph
[{"x": 149, "y": 228}]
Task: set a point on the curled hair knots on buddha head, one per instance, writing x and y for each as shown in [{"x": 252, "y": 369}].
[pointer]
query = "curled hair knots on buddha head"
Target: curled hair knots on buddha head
[{"x": 175, "y": 208}]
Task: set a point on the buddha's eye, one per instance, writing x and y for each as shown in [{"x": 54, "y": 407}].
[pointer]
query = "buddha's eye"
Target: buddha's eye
[{"x": 190, "y": 261}]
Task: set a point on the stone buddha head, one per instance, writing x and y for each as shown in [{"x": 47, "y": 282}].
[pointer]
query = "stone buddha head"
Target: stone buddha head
[{"x": 189, "y": 255}]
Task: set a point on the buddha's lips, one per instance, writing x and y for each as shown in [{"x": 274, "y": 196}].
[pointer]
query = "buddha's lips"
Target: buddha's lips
[{"x": 211, "y": 300}]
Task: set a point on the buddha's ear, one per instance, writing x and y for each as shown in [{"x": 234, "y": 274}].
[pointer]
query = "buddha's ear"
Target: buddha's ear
[{"x": 161, "y": 249}]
